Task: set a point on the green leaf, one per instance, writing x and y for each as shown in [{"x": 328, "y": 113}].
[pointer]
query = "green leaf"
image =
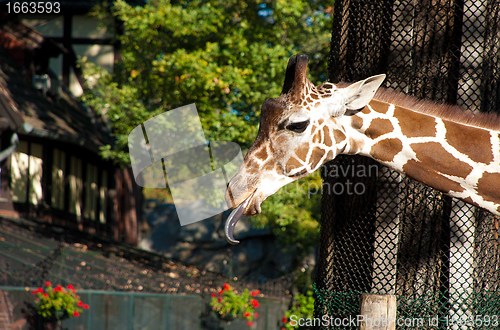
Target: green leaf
[{"x": 225, "y": 56}]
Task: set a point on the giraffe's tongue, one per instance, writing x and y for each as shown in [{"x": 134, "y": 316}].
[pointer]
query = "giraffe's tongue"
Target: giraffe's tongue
[{"x": 232, "y": 220}]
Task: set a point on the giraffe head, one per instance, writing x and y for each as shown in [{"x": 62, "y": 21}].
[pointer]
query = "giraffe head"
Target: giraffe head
[{"x": 298, "y": 132}]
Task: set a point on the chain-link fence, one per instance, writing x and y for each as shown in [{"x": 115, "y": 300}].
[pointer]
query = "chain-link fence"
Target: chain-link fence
[
  {"x": 32, "y": 252},
  {"x": 113, "y": 310},
  {"x": 438, "y": 255}
]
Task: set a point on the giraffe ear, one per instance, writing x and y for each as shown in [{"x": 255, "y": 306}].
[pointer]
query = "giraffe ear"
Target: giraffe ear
[
  {"x": 296, "y": 73},
  {"x": 359, "y": 94}
]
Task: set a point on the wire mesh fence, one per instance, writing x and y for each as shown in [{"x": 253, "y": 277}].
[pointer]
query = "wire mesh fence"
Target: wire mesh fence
[
  {"x": 438, "y": 255},
  {"x": 133, "y": 310},
  {"x": 31, "y": 253}
]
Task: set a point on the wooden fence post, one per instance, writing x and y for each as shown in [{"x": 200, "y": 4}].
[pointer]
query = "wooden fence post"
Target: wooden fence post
[{"x": 378, "y": 312}]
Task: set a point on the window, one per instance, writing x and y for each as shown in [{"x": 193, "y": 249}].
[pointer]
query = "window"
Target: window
[
  {"x": 103, "y": 192},
  {"x": 26, "y": 173},
  {"x": 91, "y": 192},
  {"x": 75, "y": 187},
  {"x": 58, "y": 184}
]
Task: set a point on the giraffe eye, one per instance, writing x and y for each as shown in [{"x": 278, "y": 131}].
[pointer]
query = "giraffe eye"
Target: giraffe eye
[{"x": 298, "y": 127}]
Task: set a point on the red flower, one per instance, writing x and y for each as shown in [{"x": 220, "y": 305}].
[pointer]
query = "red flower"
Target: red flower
[
  {"x": 47, "y": 283},
  {"x": 39, "y": 290},
  {"x": 249, "y": 323},
  {"x": 254, "y": 303},
  {"x": 76, "y": 314},
  {"x": 226, "y": 287},
  {"x": 58, "y": 288},
  {"x": 213, "y": 295},
  {"x": 255, "y": 293},
  {"x": 246, "y": 315},
  {"x": 82, "y": 305},
  {"x": 219, "y": 299},
  {"x": 71, "y": 287},
  {"x": 45, "y": 295},
  {"x": 284, "y": 319},
  {"x": 221, "y": 291},
  {"x": 255, "y": 315}
]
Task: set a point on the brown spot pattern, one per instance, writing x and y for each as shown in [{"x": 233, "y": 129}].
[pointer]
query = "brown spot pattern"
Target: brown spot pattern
[
  {"x": 292, "y": 163},
  {"x": 281, "y": 139},
  {"x": 489, "y": 187},
  {"x": 261, "y": 154},
  {"x": 378, "y": 106},
  {"x": 414, "y": 124},
  {"x": 379, "y": 127},
  {"x": 356, "y": 122},
  {"x": 433, "y": 155},
  {"x": 385, "y": 150},
  {"x": 302, "y": 150},
  {"x": 424, "y": 173},
  {"x": 338, "y": 136},
  {"x": 327, "y": 139},
  {"x": 470, "y": 141},
  {"x": 251, "y": 165},
  {"x": 316, "y": 156},
  {"x": 317, "y": 137},
  {"x": 269, "y": 165}
]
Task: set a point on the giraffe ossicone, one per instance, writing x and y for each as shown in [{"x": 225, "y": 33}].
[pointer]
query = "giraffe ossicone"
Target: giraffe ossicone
[{"x": 307, "y": 125}]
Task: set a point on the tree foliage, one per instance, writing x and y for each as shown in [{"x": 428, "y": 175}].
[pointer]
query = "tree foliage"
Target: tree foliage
[{"x": 225, "y": 56}]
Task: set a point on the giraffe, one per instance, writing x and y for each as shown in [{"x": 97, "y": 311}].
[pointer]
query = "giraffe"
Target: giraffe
[{"x": 439, "y": 145}]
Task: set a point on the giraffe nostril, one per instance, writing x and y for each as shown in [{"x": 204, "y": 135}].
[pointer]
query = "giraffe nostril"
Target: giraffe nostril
[
  {"x": 257, "y": 209},
  {"x": 254, "y": 206},
  {"x": 251, "y": 210}
]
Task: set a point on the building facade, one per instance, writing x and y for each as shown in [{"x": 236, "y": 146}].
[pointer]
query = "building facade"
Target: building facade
[{"x": 51, "y": 168}]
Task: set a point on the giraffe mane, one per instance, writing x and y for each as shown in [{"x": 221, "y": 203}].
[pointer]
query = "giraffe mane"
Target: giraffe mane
[{"x": 490, "y": 121}]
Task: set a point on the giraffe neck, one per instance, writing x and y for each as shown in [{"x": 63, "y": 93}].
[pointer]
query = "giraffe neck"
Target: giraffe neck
[{"x": 455, "y": 158}]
